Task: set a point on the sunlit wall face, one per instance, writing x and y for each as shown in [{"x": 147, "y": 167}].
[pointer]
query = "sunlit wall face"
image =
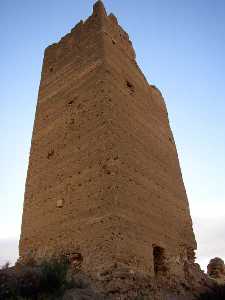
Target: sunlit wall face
[{"x": 180, "y": 47}]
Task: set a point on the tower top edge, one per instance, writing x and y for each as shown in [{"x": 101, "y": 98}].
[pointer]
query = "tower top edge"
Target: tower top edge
[
  {"x": 99, "y": 22},
  {"x": 99, "y": 9}
]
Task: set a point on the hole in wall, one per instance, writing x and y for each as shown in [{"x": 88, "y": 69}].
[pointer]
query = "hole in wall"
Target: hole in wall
[
  {"x": 130, "y": 86},
  {"x": 75, "y": 259},
  {"x": 70, "y": 102},
  {"x": 50, "y": 154}
]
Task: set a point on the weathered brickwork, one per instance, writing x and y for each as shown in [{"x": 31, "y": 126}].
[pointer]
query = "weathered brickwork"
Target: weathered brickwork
[{"x": 104, "y": 179}]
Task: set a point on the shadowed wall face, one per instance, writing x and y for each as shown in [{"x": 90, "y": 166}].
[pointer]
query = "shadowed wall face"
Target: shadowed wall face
[{"x": 104, "y": 178}]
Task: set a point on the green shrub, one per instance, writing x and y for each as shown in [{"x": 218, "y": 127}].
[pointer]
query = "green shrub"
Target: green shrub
[
  {"x": 45, "y": 281},
  {"x": 8, "y": 285},
  {"x": 28, "y": 283},
  {"x": 54, "y": 276}
]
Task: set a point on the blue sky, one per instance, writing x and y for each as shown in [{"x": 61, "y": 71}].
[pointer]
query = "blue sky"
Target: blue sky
[{"x": 180, "y": 47}]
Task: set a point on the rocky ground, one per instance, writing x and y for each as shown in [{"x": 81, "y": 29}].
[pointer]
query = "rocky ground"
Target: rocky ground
[{"x": 55, "y": 280}]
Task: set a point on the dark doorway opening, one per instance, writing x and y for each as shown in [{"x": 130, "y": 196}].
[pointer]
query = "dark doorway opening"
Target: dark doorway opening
[{"x": 159, "y": 260}]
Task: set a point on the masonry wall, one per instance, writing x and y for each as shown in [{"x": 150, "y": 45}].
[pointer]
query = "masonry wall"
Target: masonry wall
[{"x": 104, "y": 178}]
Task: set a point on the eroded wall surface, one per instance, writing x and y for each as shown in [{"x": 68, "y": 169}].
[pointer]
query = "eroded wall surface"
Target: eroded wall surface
[{"x": 104, "y": 178}]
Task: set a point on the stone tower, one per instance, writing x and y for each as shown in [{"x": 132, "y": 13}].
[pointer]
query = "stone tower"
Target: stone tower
[{"x": 104, "y": 180}]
